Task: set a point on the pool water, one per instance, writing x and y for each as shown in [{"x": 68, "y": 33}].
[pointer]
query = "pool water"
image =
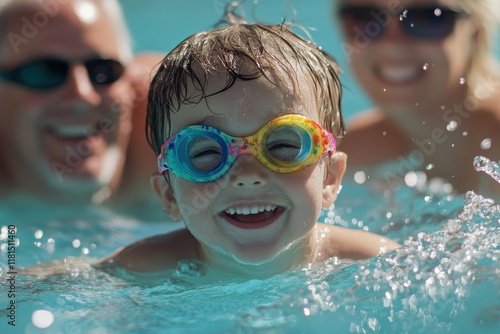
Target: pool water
[{"x": 445, "y": 279}]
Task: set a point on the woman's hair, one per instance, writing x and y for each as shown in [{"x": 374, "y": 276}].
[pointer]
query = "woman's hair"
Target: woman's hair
[
  {"x": 241, "y": 51},
  {"x": 484, "y": 66},
  {"x": 111, "y": 8}
]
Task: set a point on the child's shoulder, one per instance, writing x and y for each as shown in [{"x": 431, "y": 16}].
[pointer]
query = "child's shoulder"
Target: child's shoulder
[
  {"x": 352, "y": 244},
  {"x": 157, "y": 253}
]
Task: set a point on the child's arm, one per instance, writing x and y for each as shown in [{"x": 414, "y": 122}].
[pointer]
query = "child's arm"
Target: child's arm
[{"x": 157, "y": 253}]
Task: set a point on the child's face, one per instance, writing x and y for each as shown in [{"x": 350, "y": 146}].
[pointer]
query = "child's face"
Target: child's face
[{"x": 291, "y": 202}]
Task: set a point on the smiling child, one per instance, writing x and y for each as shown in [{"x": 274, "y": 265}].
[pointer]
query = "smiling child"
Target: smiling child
[{"x": 245, "y": 121}]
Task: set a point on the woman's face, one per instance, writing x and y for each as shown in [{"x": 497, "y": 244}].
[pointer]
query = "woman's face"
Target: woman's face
[{"x": 402, "y": 71}]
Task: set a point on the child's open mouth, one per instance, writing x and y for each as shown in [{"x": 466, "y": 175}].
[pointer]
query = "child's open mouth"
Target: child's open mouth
[{"x": 252, "y": 217}]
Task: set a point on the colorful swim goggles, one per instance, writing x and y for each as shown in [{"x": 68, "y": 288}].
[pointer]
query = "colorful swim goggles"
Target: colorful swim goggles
[{"x": 201, "y": 153}]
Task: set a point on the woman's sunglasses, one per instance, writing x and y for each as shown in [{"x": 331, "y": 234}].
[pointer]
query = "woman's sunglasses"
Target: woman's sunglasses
[
  {"x": 49, "y": 73},
  {"x": 424, "y": 23}
]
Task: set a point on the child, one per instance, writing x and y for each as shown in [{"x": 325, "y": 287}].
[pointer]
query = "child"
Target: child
[{"x": 245, "y": 121}]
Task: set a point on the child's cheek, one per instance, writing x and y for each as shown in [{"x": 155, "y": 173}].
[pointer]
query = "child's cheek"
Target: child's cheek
[{"x": 191, "y": 197}]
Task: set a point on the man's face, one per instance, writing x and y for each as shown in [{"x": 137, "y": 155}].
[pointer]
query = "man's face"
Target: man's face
[{"x": 67, "y": 140}]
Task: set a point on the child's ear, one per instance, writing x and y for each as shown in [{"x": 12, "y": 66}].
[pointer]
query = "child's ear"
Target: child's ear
[
  {"x": 166, "y": 195},
  {"x": 333, "y": 179}
]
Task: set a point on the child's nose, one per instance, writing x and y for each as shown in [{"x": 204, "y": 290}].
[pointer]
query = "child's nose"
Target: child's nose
[{"x": 247, "y": 171}]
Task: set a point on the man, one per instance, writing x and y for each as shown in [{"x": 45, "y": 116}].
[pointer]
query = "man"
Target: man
[{"x": 70, "y": 92}]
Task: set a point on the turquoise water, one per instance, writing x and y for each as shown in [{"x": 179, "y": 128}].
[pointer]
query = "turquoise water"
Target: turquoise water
[{"x": 445, "y": 279}]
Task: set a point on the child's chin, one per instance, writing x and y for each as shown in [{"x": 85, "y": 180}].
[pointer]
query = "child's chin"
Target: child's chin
[{"x": 262, "y": 258}]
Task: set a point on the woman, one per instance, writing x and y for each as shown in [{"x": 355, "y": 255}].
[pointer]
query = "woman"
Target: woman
[{"x": 428, "y": 67}]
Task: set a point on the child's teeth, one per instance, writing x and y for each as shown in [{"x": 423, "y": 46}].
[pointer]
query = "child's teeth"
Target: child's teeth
[
  {"x": 399, "y": 74},
  {"x": 250, "y": 210}
]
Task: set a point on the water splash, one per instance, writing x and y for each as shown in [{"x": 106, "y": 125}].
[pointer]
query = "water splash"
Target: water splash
[
  {"x": 483, "y": 164},
  {"x": 439, "y": 281}
]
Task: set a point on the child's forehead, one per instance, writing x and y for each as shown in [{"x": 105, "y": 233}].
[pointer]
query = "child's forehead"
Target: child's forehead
[
  {"x": 289, "y": 77},
  {"x": 258, "y": 100}
]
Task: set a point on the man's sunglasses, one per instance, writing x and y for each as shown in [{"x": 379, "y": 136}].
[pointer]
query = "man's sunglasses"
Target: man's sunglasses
[
  {"x": 424, "y": 23},
  {"x": 49, "y": 73}
]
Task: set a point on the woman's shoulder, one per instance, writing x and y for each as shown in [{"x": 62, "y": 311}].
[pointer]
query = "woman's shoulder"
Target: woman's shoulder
[{"x": 373, "y": 129}]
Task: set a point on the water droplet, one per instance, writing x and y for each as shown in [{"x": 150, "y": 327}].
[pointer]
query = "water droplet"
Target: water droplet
[
  {"x": 42, "y": 318},
  {"x": 385, "y": 90},
  {"x": 425, "y": 67},
  {"x": 190, "y": 268},
  {"x": 465, "y": 133},
  {"x": 360, "y": 177},
  {"x": 411, "y": 179},
  {"x": 76, "y": 243},
  {"x": 429, "y": 167},
  {"x": 75, "y": 273},
  {"x": 462, "y": 81},
  {"x": 384, "y": 133},
  {"x": 38, "y": 234},
  {"x": 480, "y": 163},
  {"x": 452, "y": 126},
  {"x": 483, "y": 164},
  {"x": 437, "y": 12},
  {"x": 403, "y": 15},
  {"x": 443, "y": 107},
  {"x": 486, "y": 144}
]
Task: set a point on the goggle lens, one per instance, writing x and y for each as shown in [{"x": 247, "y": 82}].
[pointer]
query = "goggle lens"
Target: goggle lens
[{"x": 200, "y": 153}]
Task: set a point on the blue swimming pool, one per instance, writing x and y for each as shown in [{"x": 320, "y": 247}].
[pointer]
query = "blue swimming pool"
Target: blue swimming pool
[{"x": 445, "y": 279}]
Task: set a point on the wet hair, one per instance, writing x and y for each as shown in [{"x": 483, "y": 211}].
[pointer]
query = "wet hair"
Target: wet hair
[
  {"x": 112, "y": 9},
  {"x": 241, "y": 51}
]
